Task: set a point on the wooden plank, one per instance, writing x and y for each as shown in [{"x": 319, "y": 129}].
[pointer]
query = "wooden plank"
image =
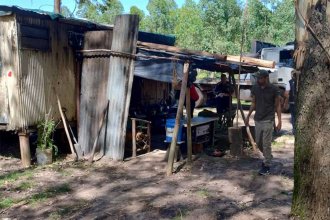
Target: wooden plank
[
  {"x": 252, "y": 61},
  {"x": 120, "y": 82},
  {"x": 189, "y": 140},
  {"x": 93, "y": 91},
  {"x": 180, "y": 50},
  {"x": 169, "y": 168}
]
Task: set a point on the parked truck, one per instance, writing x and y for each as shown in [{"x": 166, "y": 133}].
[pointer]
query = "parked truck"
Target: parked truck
[{"x": 280, "y": 75}]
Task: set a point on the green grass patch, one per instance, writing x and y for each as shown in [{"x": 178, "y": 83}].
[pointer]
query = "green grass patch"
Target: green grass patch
[
  {"x": 60, "y": 213},
  {"x": 14, "y": 176},
  {"x": 277, "y": 144},
  {"x": 49, "y": 193},
  {"x": 243, "y": 102},
  {"x": 203, "y": 193},
  {"x": 6, "y": 203},
  {"x": 24, "y": 186}
]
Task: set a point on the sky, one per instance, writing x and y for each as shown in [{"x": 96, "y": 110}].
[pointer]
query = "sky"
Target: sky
[{"x": 48, "y": 5}]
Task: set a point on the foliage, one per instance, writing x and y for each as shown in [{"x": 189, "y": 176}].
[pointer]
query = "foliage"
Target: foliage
[
  {"x": 162, "y": 16},
  {"x": 46, "y": 129},
  {"x": 103, "y": 11},
  {"x": 210, "y": 25}
]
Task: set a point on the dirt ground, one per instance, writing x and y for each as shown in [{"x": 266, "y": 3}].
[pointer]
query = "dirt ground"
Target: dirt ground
[{"x": 212, "y": 188}]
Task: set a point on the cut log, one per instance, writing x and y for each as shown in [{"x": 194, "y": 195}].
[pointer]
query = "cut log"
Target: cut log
[
  {"x": 252, "y": 61},
  {"x": 25, "y": 148}
]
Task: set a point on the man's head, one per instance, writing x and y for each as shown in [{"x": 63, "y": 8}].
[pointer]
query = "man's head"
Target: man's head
[
  {"x": 223, "y": 78},
  {"x": 293, "y": 74},
  {"x": 262, "y": 77}
]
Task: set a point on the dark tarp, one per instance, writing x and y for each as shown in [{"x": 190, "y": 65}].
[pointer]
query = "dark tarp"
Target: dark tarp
[{"x": 161, "y": 69}]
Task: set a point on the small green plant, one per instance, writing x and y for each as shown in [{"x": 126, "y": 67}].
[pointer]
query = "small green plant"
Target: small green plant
[{"x": 46, "y": 129}]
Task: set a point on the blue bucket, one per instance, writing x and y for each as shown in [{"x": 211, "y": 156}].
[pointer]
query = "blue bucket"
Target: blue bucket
[{"x": 170, "y": 123}]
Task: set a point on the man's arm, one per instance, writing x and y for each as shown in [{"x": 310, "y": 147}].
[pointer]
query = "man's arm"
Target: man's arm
[
  {"x": 278, "y": 112},
  {"x": 252, "y": 108}
]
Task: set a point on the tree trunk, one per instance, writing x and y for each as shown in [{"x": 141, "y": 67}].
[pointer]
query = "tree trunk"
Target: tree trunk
[{"x": 312, "y": 145}]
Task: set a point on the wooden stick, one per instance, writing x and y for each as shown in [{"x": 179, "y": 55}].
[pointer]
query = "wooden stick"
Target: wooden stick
[
  {"x": 105, "y": 113},
  {"x": 251, "y": 140},
  {"x": 65, "y": 126},
  {"x": 189, "y": 139},
  {"x": 133, "y": 137},
  {"x": 169, "y": 168},
  {"x": 180, "y": 50}
]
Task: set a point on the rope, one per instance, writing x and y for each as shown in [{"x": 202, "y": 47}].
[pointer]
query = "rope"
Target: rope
[
  {"x": 306, "y": 24},
  {"x": 240, "y": 62}
]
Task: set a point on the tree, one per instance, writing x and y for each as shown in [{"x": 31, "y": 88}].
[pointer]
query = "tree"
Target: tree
[
  {"x": 162, "y": 16},
  {"x": 189, "y": 26},
  {"x": 283, "y": 23},
  {"x": 65, "y": 11},
  {"x": 102, "y": 12},
  {"x": 221, "y": 25},
  {"x": 136, "y": 11},
  {"x": 311, "y": 196}
]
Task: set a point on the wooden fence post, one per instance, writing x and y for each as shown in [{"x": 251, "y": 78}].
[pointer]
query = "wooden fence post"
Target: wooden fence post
[
  {"x": 120, "y": 82},
  {"x": 25, "y": 148},
  {"x": 169, "y": 168}
]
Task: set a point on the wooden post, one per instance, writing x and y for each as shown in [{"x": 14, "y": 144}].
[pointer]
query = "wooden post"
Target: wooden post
[
  {"x": 25, "y": 148},
  {"x": 57, "y": 6},
  {"x": 169, "y": 168},
  {"x": 121, "y": 73},
  {"x": 235, "y": 140},
  {"x": 189, "y": 140},
  {"x": 133, "y": 137}
]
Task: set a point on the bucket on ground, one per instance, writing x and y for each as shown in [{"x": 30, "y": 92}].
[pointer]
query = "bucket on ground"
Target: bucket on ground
[{"x": 170, "y": 123}]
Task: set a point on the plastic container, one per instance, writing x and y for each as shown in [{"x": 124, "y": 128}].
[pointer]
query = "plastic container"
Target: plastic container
[{"x": 170, "y": 123}]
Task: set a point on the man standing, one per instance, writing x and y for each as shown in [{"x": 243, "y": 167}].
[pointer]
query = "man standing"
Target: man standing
[
  {"x": 223, "y": 91},
  {"x": 265, "y": 101}
]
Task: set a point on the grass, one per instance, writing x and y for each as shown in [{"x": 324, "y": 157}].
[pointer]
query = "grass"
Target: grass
[
  {"x": 24, "y": 186},
  {"x": 49, "y": 193},
  {"x": 243, "y": 102},
  {"x": 14, "y": 176},
  {"x": 203, "y": 193},
  {"x": 6, "y": 203},
  {"x": 276, "y": 144}
]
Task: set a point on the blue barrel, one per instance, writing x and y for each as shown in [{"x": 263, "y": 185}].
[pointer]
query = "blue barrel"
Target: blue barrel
[{"x": 170, "y": 123}]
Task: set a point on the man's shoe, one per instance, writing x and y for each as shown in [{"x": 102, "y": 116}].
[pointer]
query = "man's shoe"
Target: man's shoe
[{"x": 265, "y": 170}]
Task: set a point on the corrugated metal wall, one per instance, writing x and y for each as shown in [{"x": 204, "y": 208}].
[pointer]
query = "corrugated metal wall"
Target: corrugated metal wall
[
  {"x": 93, "y": 98},
  {"x": 42, "y": 75},
  {"x": 8, "y": 71}
]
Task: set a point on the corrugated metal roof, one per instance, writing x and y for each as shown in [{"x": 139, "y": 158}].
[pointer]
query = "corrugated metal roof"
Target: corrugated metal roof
[{"x": 142, "y": 36}]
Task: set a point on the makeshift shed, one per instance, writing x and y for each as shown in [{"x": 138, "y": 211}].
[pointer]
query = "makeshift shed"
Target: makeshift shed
[{"x": 37, "y": 62}]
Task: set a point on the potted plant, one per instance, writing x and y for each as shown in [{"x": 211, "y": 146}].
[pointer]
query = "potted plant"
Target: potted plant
[{"x": 45, "y": 142}]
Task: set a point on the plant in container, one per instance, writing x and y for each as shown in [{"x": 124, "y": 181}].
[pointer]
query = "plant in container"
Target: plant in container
[{"x": 45, "y": 141}]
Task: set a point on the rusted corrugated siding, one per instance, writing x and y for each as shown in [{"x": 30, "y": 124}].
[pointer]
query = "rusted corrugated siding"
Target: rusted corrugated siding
[
  {"x": 42, "y": 75},
  {"x": 93, "y": 98},
  {"x": 9, "y": 97}
]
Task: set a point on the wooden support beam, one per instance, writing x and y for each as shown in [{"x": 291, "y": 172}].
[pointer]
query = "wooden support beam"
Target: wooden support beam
[
  {"x": 252, "y": 61},
  {"x": 169, "y": 168},
  {"x": 181, "y": 50},
  {"x": 25, "y": 148},
  {"x": 120, "y": 81},
  {"x": 189, "y": 139}
]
